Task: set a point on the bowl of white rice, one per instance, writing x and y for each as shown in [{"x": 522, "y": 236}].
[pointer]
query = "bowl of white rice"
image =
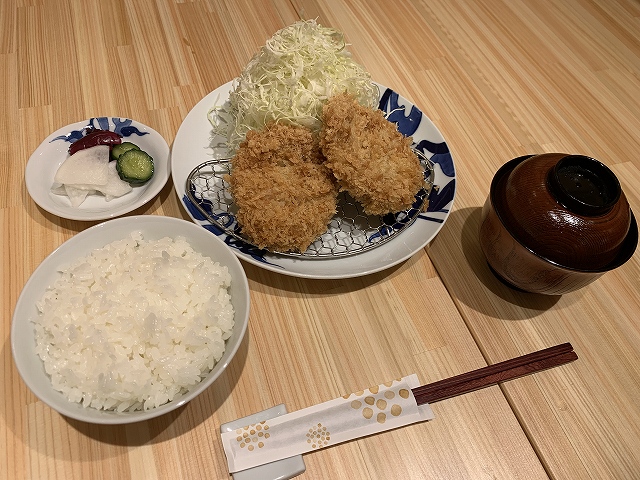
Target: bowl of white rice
[{"x": 130, "y": 319}]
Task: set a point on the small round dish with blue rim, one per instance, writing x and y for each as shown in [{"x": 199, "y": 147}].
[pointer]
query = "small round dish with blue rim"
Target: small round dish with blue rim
[{"x": 54, "y": 150}]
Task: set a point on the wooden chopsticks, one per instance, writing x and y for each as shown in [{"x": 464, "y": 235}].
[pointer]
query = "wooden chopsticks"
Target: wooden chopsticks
[{"x": 496, "y": 373}]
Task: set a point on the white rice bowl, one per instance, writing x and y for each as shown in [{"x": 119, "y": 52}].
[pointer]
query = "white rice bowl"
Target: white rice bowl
[{"x": 122, "y": 341}]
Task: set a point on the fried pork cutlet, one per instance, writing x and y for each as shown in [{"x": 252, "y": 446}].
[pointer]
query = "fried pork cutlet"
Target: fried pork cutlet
[
  {"x": 285, "y": 195},
  {"x": 369, "y": 157}
]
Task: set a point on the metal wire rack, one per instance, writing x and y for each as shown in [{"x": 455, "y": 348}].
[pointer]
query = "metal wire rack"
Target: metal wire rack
[{"x": 351, "y": 231}]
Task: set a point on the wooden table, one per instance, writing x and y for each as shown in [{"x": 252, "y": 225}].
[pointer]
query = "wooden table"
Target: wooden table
[{"x": 500, "y": 79}]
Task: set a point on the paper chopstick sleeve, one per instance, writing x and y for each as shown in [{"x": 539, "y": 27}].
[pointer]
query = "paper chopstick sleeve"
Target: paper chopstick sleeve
[{"x": 377, "y": 409}]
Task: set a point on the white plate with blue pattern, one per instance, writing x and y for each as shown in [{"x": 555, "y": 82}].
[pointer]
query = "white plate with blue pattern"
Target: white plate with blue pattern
[
  {"x": 54, "y": 150},
  {"x": 196, "y": 144}
]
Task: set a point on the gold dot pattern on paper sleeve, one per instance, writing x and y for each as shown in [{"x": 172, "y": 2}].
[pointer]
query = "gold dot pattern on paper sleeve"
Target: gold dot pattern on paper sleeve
[
  {"x": 382, "y": 403},
  {"x": 318, "y": 436},
  {"x": 253, "y": 436}
]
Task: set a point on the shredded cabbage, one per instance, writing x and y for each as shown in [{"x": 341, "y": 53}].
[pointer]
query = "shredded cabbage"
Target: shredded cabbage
[{"x": 289, "y": 80}]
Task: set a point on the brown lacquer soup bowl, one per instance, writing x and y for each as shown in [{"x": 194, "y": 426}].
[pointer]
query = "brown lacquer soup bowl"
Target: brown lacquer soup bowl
[{"x": 555, "y": 222}]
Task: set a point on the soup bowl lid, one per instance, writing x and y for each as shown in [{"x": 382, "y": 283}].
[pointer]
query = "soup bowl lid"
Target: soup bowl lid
[{"x": 569, "y": 209}]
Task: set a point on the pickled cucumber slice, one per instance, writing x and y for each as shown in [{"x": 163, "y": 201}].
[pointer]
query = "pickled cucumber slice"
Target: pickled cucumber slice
[
  {"x": 135, "y": 167},
  {"x": 119, "y": 149}
]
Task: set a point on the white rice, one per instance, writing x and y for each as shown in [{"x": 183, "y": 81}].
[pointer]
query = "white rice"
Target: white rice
[{"x": 134, "y": 324}]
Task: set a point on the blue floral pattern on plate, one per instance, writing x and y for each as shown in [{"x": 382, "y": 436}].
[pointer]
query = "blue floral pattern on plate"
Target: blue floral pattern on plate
[
  {"x": 121, "y": 126},
  {"x": 438, "y": 153}
]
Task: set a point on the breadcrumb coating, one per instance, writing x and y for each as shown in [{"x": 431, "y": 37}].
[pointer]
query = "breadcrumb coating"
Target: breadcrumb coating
[
  {"x": 285, "y": 196},
  {"x": 369, "y": 157}
]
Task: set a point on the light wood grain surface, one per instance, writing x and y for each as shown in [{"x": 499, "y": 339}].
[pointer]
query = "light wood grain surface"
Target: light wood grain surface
[{"x": 499, "y": 78}]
